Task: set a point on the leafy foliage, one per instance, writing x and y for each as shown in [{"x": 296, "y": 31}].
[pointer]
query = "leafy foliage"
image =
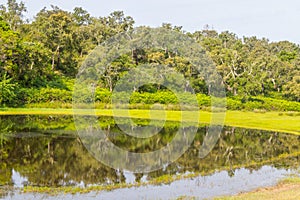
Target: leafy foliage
[
  {"x": 38, "y": 57},
  {"x": 7, "y": 90}
]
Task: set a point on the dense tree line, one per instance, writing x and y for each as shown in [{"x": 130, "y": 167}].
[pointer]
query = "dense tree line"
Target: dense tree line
[
  {"x": 254, "y": 66},
  {"x": 47, "y": 52}
]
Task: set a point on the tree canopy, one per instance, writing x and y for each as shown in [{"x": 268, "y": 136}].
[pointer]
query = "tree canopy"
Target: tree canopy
[{"x": 50, "y": 49}]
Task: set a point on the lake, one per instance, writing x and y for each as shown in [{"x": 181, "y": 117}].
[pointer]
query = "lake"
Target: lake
[{"x": 46, "y": 151}]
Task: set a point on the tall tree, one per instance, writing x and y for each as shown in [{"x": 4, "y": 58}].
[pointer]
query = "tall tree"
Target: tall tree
[{"x": 13, "y": 13}]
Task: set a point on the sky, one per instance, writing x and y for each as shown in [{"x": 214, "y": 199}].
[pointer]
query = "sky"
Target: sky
[{"x": 273, "y": 19}]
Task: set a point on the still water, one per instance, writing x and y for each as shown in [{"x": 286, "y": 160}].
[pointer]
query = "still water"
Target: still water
[{"x": 46, "y": 151}]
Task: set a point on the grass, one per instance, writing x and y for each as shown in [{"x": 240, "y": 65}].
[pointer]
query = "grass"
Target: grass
[
  {"x": 272, "y": 121},
  {"x": 287, "y": 189}
]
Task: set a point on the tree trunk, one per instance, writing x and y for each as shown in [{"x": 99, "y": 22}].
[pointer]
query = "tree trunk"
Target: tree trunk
[
  {"x": 234, "y": 91},
  {"x": 53, "y": 57}
]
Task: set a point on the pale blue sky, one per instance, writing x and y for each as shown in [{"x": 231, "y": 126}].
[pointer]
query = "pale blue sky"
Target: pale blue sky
[{"x": 273, "y": 19}]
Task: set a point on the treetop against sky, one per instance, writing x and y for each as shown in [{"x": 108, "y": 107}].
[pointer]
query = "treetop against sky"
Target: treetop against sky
[{"x": 273, "y": 19}]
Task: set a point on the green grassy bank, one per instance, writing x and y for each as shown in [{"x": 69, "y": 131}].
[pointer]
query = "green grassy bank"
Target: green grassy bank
[{"x": 288, "y": 122}]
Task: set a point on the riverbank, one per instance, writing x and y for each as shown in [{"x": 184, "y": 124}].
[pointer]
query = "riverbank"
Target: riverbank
[{"x": 288, "y": 122}]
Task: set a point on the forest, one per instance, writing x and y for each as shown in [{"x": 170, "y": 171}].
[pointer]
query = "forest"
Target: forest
[{"x": 39, "y": 60}]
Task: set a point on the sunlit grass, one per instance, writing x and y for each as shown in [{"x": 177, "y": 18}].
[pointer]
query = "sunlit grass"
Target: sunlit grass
[
  {"x": 286, "y": 189},
  {"x": 272, "y": 121}
]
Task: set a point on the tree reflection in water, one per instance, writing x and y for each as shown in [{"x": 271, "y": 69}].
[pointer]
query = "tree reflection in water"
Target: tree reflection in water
[{"x": 47, "y": 151}]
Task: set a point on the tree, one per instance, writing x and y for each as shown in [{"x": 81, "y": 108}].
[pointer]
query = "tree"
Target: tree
[
  {"x": 25, "y": 62},
  {"x": 81, "y": 16},
  {"x": 7, "y": 90},
  {"x": 292, "y": 88},
  {"x": 9, "y": 42},
  {"x": 54, "y": 29},
  {"x": 13, "y": 13},
  {"x": 116, "y": 70}
]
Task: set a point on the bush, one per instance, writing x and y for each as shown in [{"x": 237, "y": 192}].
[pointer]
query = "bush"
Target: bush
[
  {"x": 234, "y": 104},
  {"x": 261, "y": 103},
  {"x": 204, "y": 100},
  {"x": 102, "y": 95},
  {"x": 44, "y": 95},
  {"x": 52, "y": 95},
  {"x": 62, "y": 98}
]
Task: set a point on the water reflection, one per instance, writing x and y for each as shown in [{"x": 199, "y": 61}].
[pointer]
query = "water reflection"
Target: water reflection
[{"x": 45, "y": 151}]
